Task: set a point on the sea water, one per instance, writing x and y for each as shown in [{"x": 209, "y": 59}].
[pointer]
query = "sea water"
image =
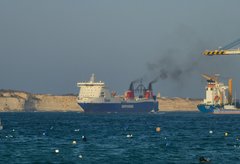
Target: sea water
[{"x": 57, "y": 138}]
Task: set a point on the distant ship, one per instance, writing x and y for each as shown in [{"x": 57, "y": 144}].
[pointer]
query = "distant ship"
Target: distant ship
[
  {"x": 95, "y": 97},
  {"x": 216, "y": 101}
]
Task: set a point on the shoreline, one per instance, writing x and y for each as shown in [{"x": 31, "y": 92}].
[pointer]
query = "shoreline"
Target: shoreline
[{"x": 21, "y": 101}]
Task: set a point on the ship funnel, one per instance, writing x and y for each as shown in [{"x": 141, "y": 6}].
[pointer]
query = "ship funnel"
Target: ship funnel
[
  {"x": 131, "y": 87},
  {"x": 130, "y": 93},
  {"x": 92, "y": 79},
  {"x": 149, "y": 94},
  {"x": 230, "y": 91},
  {"x": 150, "y": 86}
]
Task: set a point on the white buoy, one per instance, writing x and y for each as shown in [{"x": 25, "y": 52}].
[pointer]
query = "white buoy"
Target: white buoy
[
  {"x": 129, "y": 136},
  {"x": 44, "y": 134},
  {"x": 226, "y": 134},
  {"x": 56, "y": 151},
  {"x": 74, "y": 142},
  {"x": 80, "y": 156},
  {"x": 210, "y": 131}
]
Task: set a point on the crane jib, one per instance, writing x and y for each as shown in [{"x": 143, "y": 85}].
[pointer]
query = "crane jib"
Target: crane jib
[
  {"x": 221, "y": 52},
  {"x": 215, "y": 52},
  {"x": 224, "y": 50}
]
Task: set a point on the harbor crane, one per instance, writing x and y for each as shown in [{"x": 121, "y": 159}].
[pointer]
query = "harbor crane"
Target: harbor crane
[
  {"x": 210, "y": 78},
  {"x": 226, "y": 50}
]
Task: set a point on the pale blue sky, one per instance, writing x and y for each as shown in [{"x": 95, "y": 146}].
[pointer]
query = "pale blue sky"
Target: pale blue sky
[{"x": 47, "y": 46}]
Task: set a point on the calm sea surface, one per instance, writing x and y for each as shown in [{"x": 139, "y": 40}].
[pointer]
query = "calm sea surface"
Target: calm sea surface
[{"x": 57, "y": 138}]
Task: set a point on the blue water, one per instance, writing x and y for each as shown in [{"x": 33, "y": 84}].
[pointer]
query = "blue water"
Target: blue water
[{"x": 184, "y": 137}]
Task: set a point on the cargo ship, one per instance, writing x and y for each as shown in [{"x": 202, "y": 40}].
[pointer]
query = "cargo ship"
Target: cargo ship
[
  {"x": 217, "y": 101},
  {"x": 96, "y": 97}
]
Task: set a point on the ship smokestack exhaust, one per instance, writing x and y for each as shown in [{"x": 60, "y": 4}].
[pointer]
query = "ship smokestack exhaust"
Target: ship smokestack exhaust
[
  {"x": 150, "y": 86},
  {"x": 129, "y": 95},
  {"x": 230, "y": 91},
  {"x": 149, "y": 93},
  {"x": 131, "y": 87}
]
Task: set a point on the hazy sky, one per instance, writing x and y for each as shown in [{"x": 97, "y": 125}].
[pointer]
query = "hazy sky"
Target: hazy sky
[{"x": 48, "y": 46}]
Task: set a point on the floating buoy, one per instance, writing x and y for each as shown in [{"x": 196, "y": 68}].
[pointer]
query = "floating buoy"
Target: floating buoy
[
  {"x": 74, "y": 142},
  {"x": 158, "y": 129},
  {"x": 210, "y": 131},
  {"x": 226, "y": 134},
  {"x": 84, "y": 138},
  {"x": 129, "y": 136},
  {"x": 80, "y": 156},
  {"x": 56, "y": 151},
  {"x": 44, "y": 134}
]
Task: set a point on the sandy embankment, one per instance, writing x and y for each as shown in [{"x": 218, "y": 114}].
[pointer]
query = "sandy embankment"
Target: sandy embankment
[
  {"x": 23, "y": 101},
  {"x": 178, "y": 104}
]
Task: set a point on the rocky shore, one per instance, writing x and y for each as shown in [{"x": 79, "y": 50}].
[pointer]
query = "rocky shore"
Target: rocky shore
[{"x": 19, "y": 101}]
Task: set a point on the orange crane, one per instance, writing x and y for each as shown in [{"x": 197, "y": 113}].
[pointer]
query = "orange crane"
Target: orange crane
[{"x": 226, "y": 50}]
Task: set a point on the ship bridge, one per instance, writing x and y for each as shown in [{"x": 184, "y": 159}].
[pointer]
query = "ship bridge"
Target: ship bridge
[{"x": 93, "y": 89}]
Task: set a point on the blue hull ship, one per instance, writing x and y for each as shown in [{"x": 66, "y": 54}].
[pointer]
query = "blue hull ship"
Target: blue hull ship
[
  {"x": 216, "y": 101},
  {"x": 120, "y": 107},
  {"x": 95, "y": 97}
]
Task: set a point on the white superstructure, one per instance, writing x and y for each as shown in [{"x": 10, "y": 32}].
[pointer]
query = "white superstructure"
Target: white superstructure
[
  {"x": 93, "y": 91},
  {"x": 215, "y": 93}
]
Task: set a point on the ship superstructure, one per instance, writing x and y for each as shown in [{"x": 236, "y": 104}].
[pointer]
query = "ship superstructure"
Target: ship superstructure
[
  {"x": 95, "y": 97},
  {"x": 93, "y": 91},
  {"x": 215, "y": 91}
]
